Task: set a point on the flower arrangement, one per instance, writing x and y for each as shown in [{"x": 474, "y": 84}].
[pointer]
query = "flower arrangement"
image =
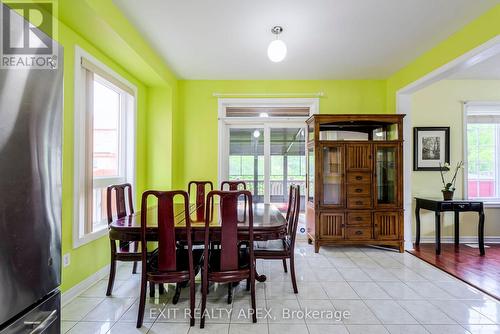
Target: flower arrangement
[{"x": 449, "y": 187}]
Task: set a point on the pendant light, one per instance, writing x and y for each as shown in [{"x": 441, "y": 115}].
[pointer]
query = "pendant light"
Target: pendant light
[{"x": 276, "y": 51}]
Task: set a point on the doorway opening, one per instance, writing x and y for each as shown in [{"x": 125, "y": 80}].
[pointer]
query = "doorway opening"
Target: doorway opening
[{"x": 262, "y": 142}]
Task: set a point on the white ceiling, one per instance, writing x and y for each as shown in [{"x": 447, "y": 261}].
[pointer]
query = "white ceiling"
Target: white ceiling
[
  {"x": 326, "y": 39},
  {"x": 486, "y": 70}
]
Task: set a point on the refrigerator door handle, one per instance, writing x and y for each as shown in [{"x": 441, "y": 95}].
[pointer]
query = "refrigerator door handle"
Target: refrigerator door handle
[{"x": 41, "y": 326}]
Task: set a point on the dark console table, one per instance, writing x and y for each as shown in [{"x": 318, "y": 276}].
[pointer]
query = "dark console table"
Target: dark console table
[{"x": 457, "y": 206}]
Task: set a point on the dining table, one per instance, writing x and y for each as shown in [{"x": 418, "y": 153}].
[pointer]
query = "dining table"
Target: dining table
[{"x": 268, "y": 224}]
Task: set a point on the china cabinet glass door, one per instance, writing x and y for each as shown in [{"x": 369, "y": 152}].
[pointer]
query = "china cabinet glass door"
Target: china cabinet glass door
[
  {"x": 386, "y": 174},
  {"x": 333, "y": 174},
  {"x": 310, "y": 173}
]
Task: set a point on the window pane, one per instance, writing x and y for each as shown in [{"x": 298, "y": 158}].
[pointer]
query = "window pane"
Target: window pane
[
  {"x": 287, "y": 149},
  {"x": 246, "y": 159},
  {"x": 99, "y": 212},
  {"x": 482, "y": 158},
  {"x": 106, "y": 131}
]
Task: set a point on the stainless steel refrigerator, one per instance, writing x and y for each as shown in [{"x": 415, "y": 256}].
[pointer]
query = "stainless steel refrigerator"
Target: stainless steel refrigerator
[{"x": 30, "y": 198}]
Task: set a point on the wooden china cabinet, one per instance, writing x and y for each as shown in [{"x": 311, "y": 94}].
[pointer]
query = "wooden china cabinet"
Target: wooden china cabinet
[{"x": 355, "y": 180}]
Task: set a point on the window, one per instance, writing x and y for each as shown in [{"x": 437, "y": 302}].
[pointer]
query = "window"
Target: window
[
  {"x": 262, "y": 142},
  {"x": 483, "y": 151},
  {"x": 104, "y": 142}
]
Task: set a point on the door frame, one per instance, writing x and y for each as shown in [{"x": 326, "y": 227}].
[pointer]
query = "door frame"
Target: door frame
[
  {"x": 404, "y": 106},
  {"x": 226, "y": 123}
]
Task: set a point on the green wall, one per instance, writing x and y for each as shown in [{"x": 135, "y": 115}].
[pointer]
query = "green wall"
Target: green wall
[
  {"x": 477, "y": 32},
  {"x": 196, "y": 126}
]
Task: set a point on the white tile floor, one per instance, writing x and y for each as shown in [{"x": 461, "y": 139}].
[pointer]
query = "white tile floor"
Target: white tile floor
[{"x": 383, "y": 292}]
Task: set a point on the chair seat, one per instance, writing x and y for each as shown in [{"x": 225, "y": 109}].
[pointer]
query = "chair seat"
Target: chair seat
[
  {"x": 214, "y": 259},
  {"x": 277, "y": 247},
  {"x": 182, "y": 261}
]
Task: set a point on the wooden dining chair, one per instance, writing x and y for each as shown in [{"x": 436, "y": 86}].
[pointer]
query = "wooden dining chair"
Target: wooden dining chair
[
  {"x": 233, "y": 185},
  {"x": 201, "y": 191},
  {"x": 231, "y": 262},
  {"x": 121, "y": 250},
  {"x": 169, "y": 264},
  {"x": 283, "y": 249}
]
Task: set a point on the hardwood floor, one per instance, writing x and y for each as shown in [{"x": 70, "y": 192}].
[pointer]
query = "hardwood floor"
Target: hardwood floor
[{"x": 464, "y": 262}]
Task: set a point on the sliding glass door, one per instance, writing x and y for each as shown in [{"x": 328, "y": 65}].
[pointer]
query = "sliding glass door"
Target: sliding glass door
[
  {"x": 287, "y": 163},
  {"x": 268, "y": 157},
  {"x": 246, "y": 159}
]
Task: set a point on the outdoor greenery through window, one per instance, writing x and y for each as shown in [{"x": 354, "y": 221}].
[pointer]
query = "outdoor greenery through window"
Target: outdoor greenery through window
[
  {"x": 287, "y": 162},
  {"x": 483, "y": 154}
]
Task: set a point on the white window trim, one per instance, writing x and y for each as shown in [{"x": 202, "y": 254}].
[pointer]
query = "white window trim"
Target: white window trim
[
  {"x": 79, "y": 144},
  {"x": 486, "y": 105},
  {"x": 266, "y": 123}
]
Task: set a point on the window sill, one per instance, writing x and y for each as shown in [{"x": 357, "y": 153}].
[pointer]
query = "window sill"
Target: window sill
[
  {"x": 491, "y": 204},
  {"x": 88, "y": 238}
]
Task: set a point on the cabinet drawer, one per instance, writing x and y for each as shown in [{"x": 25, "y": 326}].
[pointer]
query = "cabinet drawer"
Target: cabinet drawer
[
  {"x": 359, "y": 177},
  {"x": 363, "y": 189},
  {"x": 359, "y": 202},
  {"x": 359, "y": 233},
  {"x": 359, "y": 218}
]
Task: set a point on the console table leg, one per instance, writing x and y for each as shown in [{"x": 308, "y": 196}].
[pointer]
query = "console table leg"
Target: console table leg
[
  {"x": 437, "y": 218},
  {"x": 457, "y": 227},
  {"x": 417, "y": 220},
  {"x": 481, "y": 233}
]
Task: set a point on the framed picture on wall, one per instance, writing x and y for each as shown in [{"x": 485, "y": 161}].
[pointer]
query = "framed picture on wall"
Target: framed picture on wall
[{"x": 431, "y": 147}]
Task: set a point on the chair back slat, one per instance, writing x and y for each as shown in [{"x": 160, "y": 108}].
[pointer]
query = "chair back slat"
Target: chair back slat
[
  {"x": 201, "y": 187},
  {"x": 233, "y": 185},
  {"x": 166, "y": 233},
  {"x": 120, "y": 200},
  {"x": 228, "y": 213},
  {"x": 166, "y": 226},
  {"x": 294, "y": 212},
  {"x": 229, "y": 232}
]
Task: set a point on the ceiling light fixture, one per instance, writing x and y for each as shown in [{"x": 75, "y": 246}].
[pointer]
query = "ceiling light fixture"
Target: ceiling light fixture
[{"x": 276, "y": 51}]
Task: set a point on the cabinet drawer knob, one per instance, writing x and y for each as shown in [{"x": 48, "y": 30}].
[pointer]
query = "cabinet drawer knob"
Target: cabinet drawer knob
[
  {"x": 359, "y": 232},
  {"x": 358, "y": 190},
  {"x": 359, "y": 177},
  {"x": 359, "y": 218},
  {"x": 359, "y": 202}
]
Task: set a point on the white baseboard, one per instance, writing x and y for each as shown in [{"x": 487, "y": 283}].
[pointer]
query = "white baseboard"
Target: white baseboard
[
  {"x": 75, "y": 291},
  {"x": 464, "y": 240}
]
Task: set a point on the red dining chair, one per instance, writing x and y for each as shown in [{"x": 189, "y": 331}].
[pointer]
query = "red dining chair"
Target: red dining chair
[
  {"x": 201, "y": 191},
  {"x": 169, "y": 264},
  {"x": 126, "y": 250},
  {"x": 233, "y": 185},
  {"x": 231, "y": 262},
  {"x": 283, "y": 249}
]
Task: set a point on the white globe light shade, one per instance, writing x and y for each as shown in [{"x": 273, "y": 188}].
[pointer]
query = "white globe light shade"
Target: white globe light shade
[
  {"x": 276, "y": 51},
  {"x": 256, "y": 133}
]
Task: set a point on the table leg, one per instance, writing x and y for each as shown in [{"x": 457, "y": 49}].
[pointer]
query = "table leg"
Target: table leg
[
  {"x": 457, "y": 227},
  {"x": 480, "y": 233},
  {"x": 417, "y": 219},
  {"x": 437, "y": 218}
]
